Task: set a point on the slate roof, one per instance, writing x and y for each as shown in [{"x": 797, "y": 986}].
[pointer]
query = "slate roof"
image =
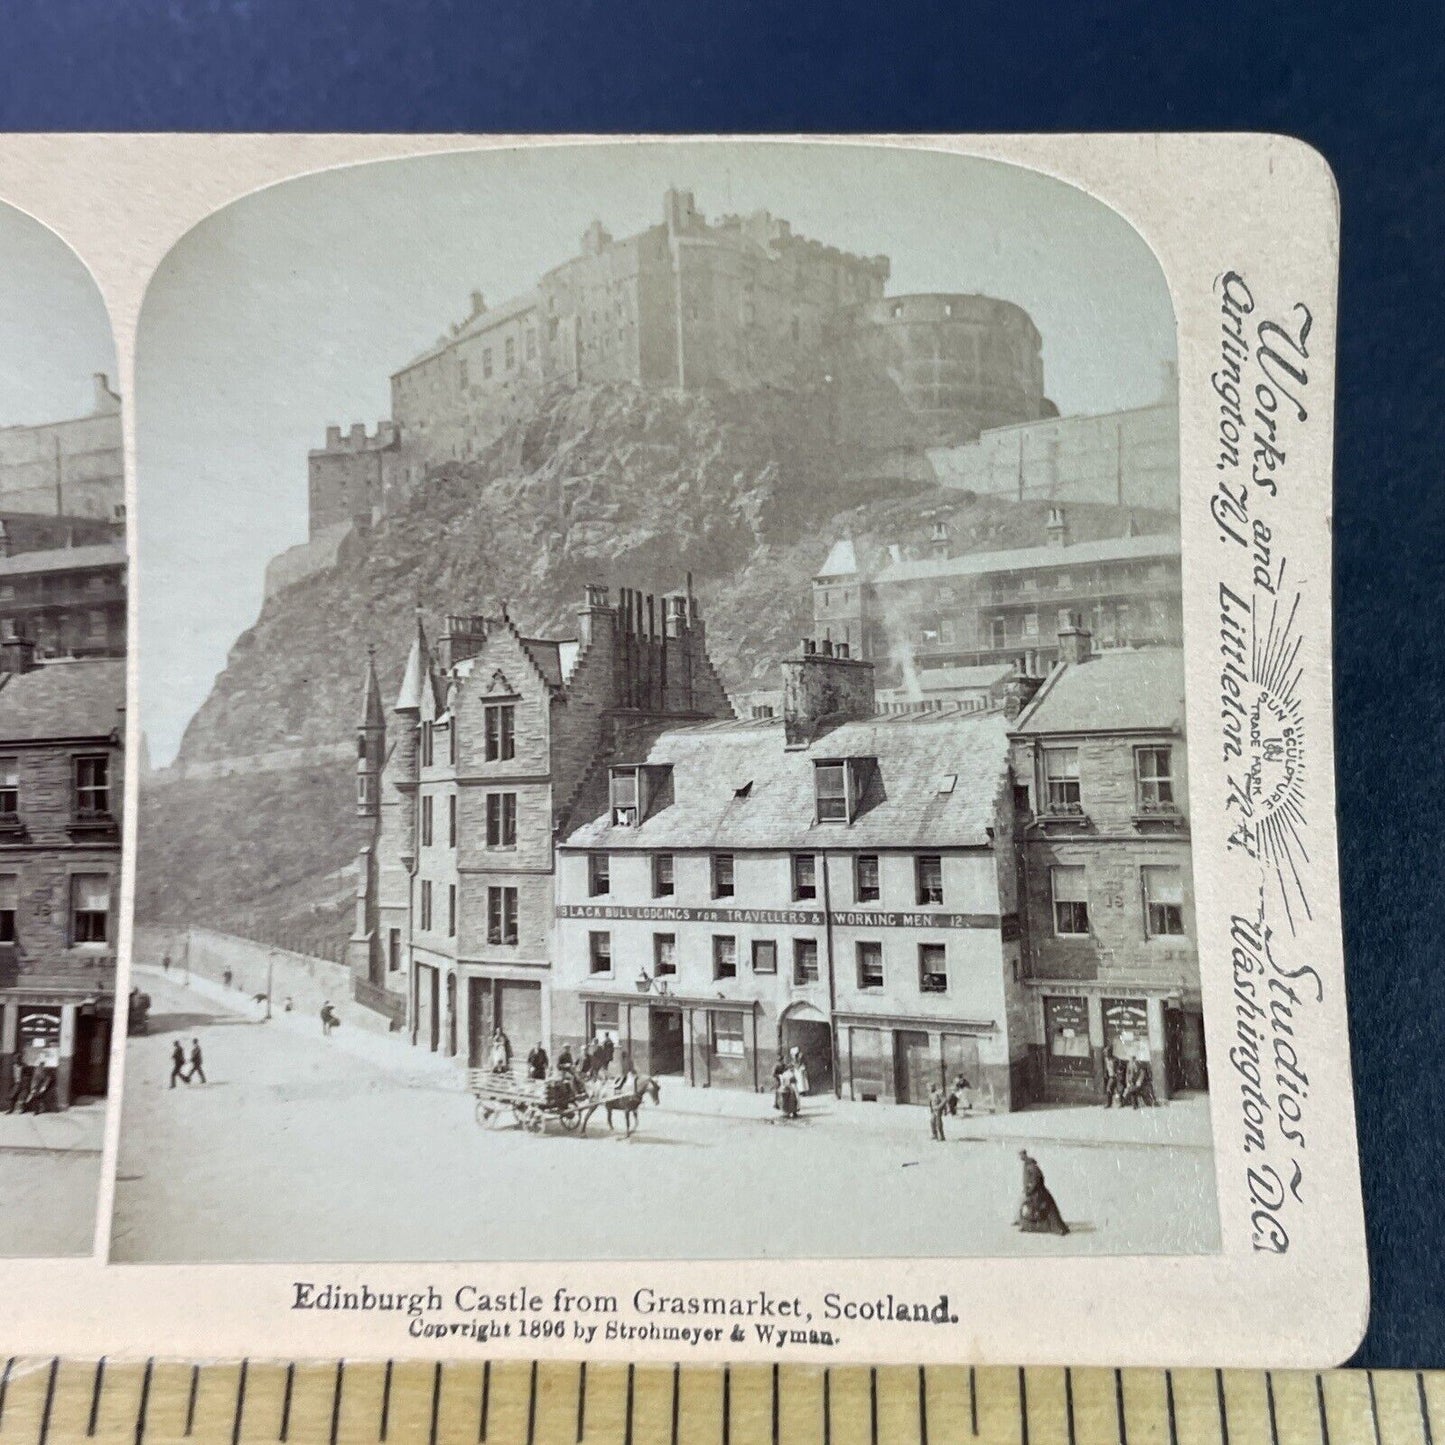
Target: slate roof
[
  {"x": 78, "y": 698},
  {"x": 546, "y": 656},
  {"x": 475, "y": 325},
  {"x": 842, "y": 561},
  {"x": 1023, "y": 559},
  {"x": 1123, "y": 691},
  {"x": 64, "y": 559},
  {"x": 915, "y": 753}
]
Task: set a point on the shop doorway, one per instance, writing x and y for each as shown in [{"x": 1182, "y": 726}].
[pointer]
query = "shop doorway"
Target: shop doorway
[
  {"x": 960, "y": 1061},
  {"x": 1184, "y": 1062},
  {"x": 865, "y": 1065},
  {"x": 813, "y": 1038},
  {"x": 428, "y": 1007},
  {"x": 91, "y": 1069},
  {"x": 664, "y": 1041},
  {"x": 912, "y": 1067},
  {"x": 512, "y": 1005}
]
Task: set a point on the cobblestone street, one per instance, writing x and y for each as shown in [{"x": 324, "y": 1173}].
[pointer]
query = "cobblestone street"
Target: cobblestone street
[{"x": 358, "y": 1148}]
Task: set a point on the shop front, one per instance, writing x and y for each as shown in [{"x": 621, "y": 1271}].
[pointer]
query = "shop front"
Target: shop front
[
  {"x": 511, "y": 1004},
  {"x": 1083, "y": 1029},
  {"x": 54, "y": 1046},
  {"x": 898, "y": 1061},
  {"x": 704, "y": 1042}
]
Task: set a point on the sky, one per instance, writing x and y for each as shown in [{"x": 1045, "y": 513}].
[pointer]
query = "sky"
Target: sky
[
  {"x": 288, "y": 310},
  {"x": 54, "y": 331}
]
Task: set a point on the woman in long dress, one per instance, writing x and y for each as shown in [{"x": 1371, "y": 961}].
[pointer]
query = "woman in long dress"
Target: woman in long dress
[
  {"x": 1038, "y": 1214},
  {"x": 788, "y": 1093},
  {"x": 799, "y": 1066}
]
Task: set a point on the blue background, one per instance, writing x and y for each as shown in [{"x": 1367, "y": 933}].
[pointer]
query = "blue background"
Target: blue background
[{"x": 1360, "y": 83}]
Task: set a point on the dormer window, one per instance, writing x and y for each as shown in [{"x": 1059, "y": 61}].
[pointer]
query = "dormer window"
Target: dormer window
[
  {"x": 624, "y": 798},
  {"x": 838, "y": 788},
  {"x": 636, "y": 791}
]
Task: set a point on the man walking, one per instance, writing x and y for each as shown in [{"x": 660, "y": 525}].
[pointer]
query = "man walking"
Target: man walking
[
  {"x": 197, "y": 1072},
  {"x": 178, "y": 1064},
  {"x": 936, "y": 1105}
]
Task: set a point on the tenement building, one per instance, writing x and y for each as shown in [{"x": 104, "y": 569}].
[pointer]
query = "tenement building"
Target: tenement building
[
  {"x": 73, "y": 467},
  {"x": 69, "y": 601},
  {"x": 979, "y": 609},
  {"x": 466, "y": 785},
  {"x": 1102, "y": 795},
  {"x": 61, "y": 730},
  {"x": 828, "y": 878}
]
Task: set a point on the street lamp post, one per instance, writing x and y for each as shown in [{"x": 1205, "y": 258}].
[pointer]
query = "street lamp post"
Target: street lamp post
[{"x": 270, "y": 963}]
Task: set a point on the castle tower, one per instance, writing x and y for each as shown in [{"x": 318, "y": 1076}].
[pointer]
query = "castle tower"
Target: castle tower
[{"x": 370, "y": 746}]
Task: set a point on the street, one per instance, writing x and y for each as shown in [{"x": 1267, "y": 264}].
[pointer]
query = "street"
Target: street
[
  {"x": 304, "y": 1148},
  {"x": 49, "y": 1180}
]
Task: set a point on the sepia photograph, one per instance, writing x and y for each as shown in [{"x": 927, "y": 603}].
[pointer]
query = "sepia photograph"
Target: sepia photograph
[
  {"x": 663, "y": 698},
  {"x": 62, "y": 726}
]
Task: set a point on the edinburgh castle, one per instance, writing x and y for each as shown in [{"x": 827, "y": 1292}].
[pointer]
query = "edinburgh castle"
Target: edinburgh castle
[{"x": 691, "y": 304}]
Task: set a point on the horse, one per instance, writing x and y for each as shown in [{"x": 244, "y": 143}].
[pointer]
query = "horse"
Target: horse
[{"x": 630, "y": 1102}]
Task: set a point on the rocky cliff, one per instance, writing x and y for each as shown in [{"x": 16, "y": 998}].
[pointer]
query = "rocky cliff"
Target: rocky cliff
[{"x": 605, "y": 484}]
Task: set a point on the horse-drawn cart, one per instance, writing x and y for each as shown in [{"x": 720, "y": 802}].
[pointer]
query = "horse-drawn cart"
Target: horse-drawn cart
[
  {"x": 504, "y": 1098},
  {"x": 529, "y": 1103}
]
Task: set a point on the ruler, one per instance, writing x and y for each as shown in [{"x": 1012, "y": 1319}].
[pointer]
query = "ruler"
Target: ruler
[{"x": 50, "y": 1401}]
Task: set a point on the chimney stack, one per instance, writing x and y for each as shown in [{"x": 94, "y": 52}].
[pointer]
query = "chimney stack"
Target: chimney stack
[
  {"x": 823, "y": 688},
  {"x": 939, "y": 544},
  {"x": 1074, "y": 640},
  {"x": 1018, "y": 693},
  {"x": 594, "y": 606},
  {"x": 464, "y": 636},
  {"x": 1058, "y": 528},
  {"x": 17, "y": 654}
]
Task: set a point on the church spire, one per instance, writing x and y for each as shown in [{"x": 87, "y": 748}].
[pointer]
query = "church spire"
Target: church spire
[{"x": 370, "y": 744}]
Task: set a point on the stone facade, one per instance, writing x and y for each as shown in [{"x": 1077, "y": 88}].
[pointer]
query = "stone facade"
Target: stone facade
[
  {"x": 348, "y": 479},
  {"x": 61, "y": 785},
  {"x": 74, "y": 467},
  {"x": 1106, "y": 875},
  {"x": 492, "y": 737},
  {"x": 979, "y": 609},
  {"x": 68, "y": 601}
]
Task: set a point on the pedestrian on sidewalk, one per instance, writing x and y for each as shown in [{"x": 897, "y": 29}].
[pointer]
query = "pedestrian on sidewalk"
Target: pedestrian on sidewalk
[
  {"x": 537, "y": 1062},
  {"x": 226, "y": 978},
  {"x": 178, "y": 1064},
  {"x": 166, "y": 962},
  {"x": 19, "y": 1085},
  {"x": 959, "y": 1096},
  {"x": 42, "y": 1086},
  {"x": 329, "y": 1019},
  {"x": 197, "y": 1072},
  {"x": 779, "y": 1069},
  {"x": 499, "y": 1057},
  {"x": 788, "y": 1094},
  {"x": 936, "y": 1105}
]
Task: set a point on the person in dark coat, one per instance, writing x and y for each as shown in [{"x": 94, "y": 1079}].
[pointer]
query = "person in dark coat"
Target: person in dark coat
[
  {"x": 197, "y": 1071},
  {"x": 178, "y": 1064},
  {"x": 604, "y": 1055},
  {"x": 19, "y": 1085},
  {"x": 1114, "y": 1075},
  {"x": 537, "y": 1063},
  {"x": 779, "y": 1069},
  {"x": 1038, "y": 1214}
]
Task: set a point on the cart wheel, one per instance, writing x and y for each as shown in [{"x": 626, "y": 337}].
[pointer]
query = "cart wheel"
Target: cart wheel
[
  {"x": 534, "y": 1121},
  {"x": 484, "y": 1112},
  {"x": 569, "y": 1118}
]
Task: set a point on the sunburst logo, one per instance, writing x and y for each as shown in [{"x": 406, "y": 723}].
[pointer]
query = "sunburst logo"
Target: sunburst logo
[{"x": 1267, "y": 792}]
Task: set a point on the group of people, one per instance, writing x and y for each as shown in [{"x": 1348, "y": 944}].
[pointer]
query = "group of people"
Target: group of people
[
  {"x": 1129, "y": 1081},
  {"x": 790, "y": 1082},
  {"x": 597, "y": 1055},
  {"x": 32, "y": 1088},
  {"x": 178, "y": 1063}
]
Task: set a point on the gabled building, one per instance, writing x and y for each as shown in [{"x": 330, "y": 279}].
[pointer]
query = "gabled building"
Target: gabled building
[
  {"x": 828, "y": 878},
  {"x": 1102, "y": 799},
  {"x": 61, "y": 787},
  {"x": 466, "y": 785}
]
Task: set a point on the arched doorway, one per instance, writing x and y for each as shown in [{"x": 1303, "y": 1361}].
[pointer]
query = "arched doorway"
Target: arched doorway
[{"x": 806, "y": 1028}]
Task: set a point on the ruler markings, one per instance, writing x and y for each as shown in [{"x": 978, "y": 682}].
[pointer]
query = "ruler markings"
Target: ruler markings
[
  {"x": 1426, "y": 1433},
  {"x": 1269, "y": 1401},
  {"x": 775, "y": 1403},
  {"x": 1069, "y": 1403},
  {"x": 49, "y": 1400},
  {"x": 285, "y": 1431},
  {"x": 436, "y": 1402},
  {"x": 145, "y": 1399},
  {"x": 1023, "y": 1408},
  {"x": 336, "y": 1399},
  {"x": 1119, "y": 1407},
  {"x": 95, "y": 1390},
  {"x": 191, "y": 1400},
  {"x": 973, "y": 1399}
]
